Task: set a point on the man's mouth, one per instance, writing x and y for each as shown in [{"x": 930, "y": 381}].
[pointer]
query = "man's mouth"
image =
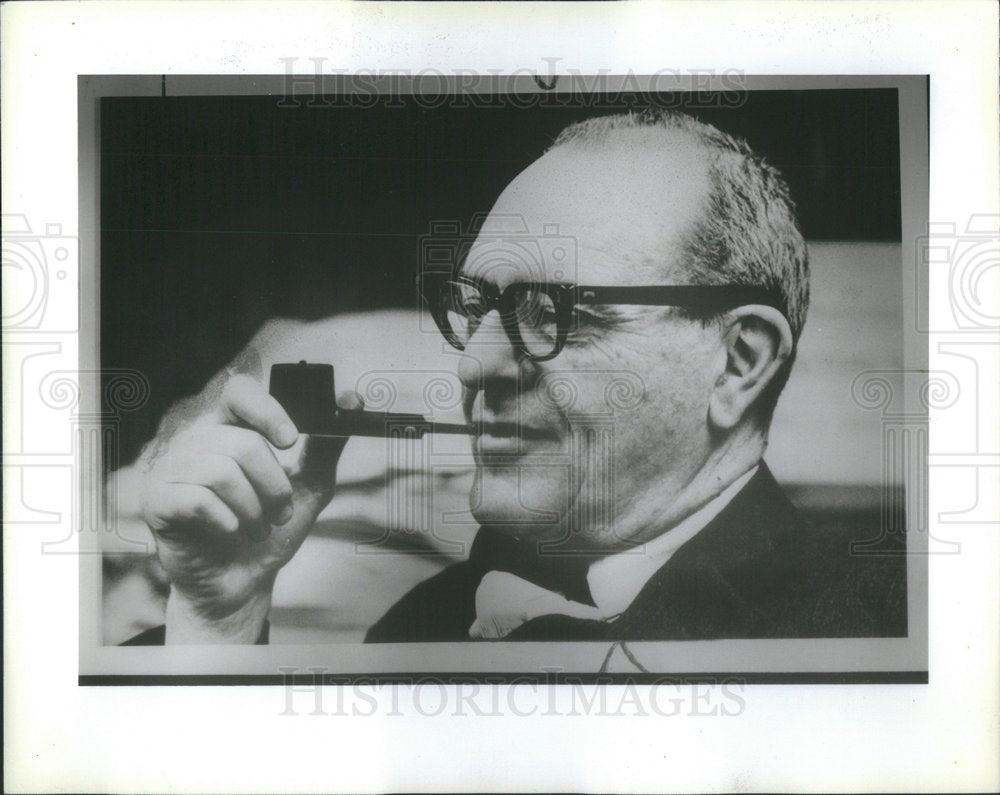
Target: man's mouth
[{"x": 508, "y": 437}]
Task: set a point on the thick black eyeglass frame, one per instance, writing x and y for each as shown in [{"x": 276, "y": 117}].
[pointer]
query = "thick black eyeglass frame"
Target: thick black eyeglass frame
[{"x": 702, "y": 299}]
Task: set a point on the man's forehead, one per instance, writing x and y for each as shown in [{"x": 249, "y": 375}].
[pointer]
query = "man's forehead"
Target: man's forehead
[{"x": 588, "y": 215}]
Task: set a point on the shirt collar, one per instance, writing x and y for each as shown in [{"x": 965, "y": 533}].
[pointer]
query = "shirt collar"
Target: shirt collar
[{"x": 615, "y": 580}]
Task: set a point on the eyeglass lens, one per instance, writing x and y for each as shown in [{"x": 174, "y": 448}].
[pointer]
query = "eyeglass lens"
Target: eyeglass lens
[{"x": 530, "y": 308}]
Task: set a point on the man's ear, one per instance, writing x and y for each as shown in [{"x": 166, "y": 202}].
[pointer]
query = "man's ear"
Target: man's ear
[{"x": 758, "y": 342}]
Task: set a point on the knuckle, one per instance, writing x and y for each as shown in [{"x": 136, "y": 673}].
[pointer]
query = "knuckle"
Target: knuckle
[
  {"x": 205, "y": 510},
  {"x": 200, "y": 505},
  {"x": 187, "y": 439},
  {"x": 252, "y": 509},
  {"x": 250, "y": 445},
  {"x": 166, "y": 469},
  {"x": 225, "y": 474},
  {"x": 234, "y": 384},
  {"x": 283, "y": 491},
  {"x": 240, "y": 388},
  {"x": 153, "y": 494},
  {"x": 276, "y": 489}
]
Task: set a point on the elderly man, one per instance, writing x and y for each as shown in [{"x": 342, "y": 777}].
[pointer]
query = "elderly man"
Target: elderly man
[{"x": 691, "y": 275}]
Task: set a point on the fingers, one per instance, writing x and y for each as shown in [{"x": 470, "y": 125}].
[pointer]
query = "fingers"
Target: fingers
[
  {"x": 218, "y": 473},
  {"x": 350, "y": 400},
  {"x": 245, "y": 401},
  {"x": 178, "y": 506},
  {"x": 224, "y": 477},
  {"x": 247, "y": 464}
]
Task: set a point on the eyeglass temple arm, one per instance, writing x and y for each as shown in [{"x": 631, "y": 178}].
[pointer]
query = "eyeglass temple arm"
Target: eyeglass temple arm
[{"x": 695, "y": 296}]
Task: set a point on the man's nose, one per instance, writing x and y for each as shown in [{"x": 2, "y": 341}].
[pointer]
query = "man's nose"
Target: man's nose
[{"x": 488, "y": 354}]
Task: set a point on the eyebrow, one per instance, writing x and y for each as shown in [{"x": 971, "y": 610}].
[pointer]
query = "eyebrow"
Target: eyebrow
[{"x": 605, "y": 314}]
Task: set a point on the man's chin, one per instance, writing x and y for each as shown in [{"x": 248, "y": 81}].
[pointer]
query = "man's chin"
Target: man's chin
[{"x": 517, "y": 509}]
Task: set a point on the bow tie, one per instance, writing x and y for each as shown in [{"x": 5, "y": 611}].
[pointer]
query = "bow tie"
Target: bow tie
[
  {"x": 505, "y": 601},
  {"x": 518, "y": 583}
]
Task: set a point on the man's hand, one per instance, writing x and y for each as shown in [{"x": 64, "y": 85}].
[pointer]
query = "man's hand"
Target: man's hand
[{"x": 226, "y": 515}]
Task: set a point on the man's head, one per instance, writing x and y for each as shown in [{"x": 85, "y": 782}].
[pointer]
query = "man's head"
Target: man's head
[{"x": 647, "y": 411}]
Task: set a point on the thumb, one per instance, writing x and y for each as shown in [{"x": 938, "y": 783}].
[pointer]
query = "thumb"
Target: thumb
[{"x": 350, "y": 400}]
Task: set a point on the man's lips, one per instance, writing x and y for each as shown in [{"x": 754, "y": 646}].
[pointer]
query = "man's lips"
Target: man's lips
[{"x": 497, "y": 436}]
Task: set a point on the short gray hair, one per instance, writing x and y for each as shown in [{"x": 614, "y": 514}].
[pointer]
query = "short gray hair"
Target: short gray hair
[{"x": 748, "y": 234}]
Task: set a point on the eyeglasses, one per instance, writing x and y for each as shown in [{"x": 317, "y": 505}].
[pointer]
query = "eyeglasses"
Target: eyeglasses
[{"x": 537, "y": 317}]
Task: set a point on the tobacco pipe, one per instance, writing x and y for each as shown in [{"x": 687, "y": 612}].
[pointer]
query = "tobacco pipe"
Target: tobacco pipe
[{"x": 306, "y": 392}]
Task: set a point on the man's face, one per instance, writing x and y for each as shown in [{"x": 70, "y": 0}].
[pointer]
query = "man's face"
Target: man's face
[{"x": 591, "y": 447}]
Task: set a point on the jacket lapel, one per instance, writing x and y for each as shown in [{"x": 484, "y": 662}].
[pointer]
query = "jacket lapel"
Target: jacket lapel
[{"x": 709, "y": 587}]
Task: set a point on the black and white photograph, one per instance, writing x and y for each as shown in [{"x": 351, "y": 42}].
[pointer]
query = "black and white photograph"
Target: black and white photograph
[
  {"x": 567, "y": 360},
  {"x": 544, "y": 397}
]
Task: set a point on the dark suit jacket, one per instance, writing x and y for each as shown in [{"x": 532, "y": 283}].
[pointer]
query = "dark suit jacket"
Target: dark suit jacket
[{"x": 755, "y": 571}]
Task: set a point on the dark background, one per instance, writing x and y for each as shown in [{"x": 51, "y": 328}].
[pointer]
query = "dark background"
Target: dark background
[{"x": 220, "y": 212}]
